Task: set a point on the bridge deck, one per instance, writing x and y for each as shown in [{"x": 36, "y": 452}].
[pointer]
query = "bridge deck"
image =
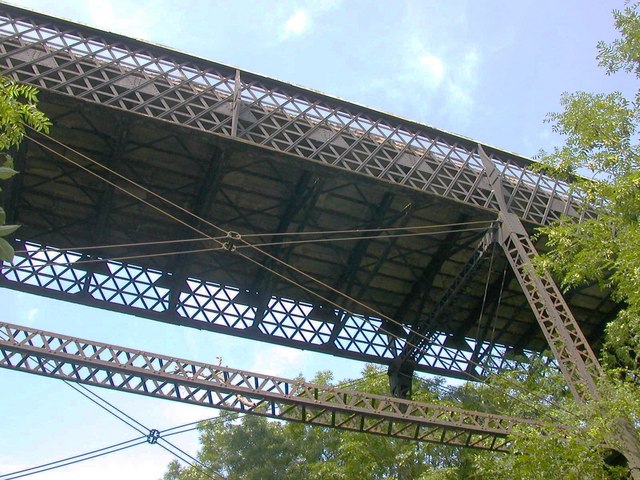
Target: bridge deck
[{"x": 260, "y": 157}]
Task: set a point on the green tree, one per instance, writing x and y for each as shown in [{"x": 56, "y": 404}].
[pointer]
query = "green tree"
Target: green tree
[
  {"x": 18, "y": 109},
  {"x": 599, "y": 159},
  {"x": 601, "y": 133},
  {"x": 256, "y": 448},
  {"x": 573, "y": 442}
]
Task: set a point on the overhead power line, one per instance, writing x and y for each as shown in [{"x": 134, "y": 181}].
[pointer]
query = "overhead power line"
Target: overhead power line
[{"x": 117, "y": 447}]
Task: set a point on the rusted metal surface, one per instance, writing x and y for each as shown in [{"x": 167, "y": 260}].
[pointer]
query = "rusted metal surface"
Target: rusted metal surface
[
  {"x": 262, "y": 158},
  {"x": 118, "y": 368}
]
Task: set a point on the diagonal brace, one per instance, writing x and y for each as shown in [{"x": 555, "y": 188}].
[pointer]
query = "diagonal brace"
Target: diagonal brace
[{"x": 118, "y": 368}]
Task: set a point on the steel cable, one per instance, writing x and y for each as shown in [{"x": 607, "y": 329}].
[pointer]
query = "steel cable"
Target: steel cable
[{"x": 259, "y": 264}]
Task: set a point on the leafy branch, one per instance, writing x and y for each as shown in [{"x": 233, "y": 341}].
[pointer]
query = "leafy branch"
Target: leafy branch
[{"x": 18, "y": 109}]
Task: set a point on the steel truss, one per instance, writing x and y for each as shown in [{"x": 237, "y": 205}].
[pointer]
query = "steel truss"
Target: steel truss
[
  {"x": 421, "y": 335},
  {"x": 133, "y": 76},
  {"x": 157, "y": 90},
  {"x": 245, "y": 109},
  {"x": 576, "y": 360},
  {"x": 570, "y": 348},
  {"x": 118, "y": 368},
  {"x": 424, "y": 333},
  {"x": 132, "y": 289}
]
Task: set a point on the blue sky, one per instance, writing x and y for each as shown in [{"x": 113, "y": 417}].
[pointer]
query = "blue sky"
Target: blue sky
[{"x": 488, "y": 70}]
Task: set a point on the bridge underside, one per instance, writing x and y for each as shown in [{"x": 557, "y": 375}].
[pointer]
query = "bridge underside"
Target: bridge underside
[
  {"x": 244, "y": 189},
  {"x": 261, "y": 193}
]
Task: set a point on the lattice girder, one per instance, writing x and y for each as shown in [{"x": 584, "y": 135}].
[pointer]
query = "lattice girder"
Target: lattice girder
[
  {"x": 130, "y": 288},
  {"x": 179, "y": 114},
  {"x": 106, "y": 69},
  {"x": 118, "y": 368},
  {"x": 565, "y": 338}
]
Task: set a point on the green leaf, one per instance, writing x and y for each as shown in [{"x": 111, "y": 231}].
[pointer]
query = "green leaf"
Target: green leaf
[
  {"x": 6, "y": 173},
  {"x": 6, "y": 251},
  {"x": 7, "y": 160},
  {"x": 8, "y": 229},
  {"x": 3, "y": 216}
]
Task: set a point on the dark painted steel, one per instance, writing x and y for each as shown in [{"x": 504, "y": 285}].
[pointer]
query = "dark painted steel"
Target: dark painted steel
[
  {"x": 118, "y": 368},
  {"x": 124, "y": 73},
  {"x": 232, "y": 147}
]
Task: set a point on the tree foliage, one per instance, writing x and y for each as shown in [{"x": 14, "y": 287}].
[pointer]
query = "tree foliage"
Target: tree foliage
[
  {"x": 600, "y": 158},
  {"x": 601, "y": 131},
  {"x": 573, "y": 441},
  {"x": 256, "y": 448},
  {"x": 18, "y": 108}
]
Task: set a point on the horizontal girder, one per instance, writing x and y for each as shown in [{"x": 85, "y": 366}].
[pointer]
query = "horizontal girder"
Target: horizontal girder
[
  {"x": 145, "y": 292},
  {"x": 114, "y": 71},
  {"x": 275, "y": 163},
  {"x": 118, "y": 368}
]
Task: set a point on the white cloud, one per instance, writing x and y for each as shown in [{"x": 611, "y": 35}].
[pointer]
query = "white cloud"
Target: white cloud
[
  {"x": 31, "y": 315},
  {"x": 463, "y": 82},
  {"x": 278, "y": 361},
  {"x": 432, "y": 68},
  {"x": 444, "y": 77},
  {"x": 298, "y": 23},
  {"x": 302, "y": 20}
]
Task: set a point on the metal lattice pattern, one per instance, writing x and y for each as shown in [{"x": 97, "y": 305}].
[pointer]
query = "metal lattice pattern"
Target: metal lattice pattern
[
  {"x": 567, "y": 342},
  {"x": 148, "y": 80},
  {"x": 207, "y": 305},
  {"x": 118, "y": 368}
]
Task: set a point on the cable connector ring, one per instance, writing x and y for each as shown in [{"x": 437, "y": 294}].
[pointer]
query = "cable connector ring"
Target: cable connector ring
[
  {"x": 230, "y": 245},
  {"x": 153, "y": 436}
]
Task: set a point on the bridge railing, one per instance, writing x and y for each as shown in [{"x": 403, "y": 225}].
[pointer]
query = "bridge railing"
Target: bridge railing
[{"x": 160, "y": 83}]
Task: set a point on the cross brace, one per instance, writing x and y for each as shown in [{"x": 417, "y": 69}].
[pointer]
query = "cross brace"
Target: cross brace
[
  {"x": 578, "y": 364},
  {"x": 118, "y": 368},
  {"x": 422, "y": 334},
  {"x": 102, "y": 68}
]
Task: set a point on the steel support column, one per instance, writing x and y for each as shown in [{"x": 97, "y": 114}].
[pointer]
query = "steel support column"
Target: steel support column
[{"x": 568, "y": 344}]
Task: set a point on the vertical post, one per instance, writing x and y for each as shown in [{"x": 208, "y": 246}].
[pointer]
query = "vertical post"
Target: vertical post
[{"x": 235, "y": 107}]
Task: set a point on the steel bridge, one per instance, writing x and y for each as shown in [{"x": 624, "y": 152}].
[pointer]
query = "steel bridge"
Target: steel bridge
[{"x": 296, "y": 219}]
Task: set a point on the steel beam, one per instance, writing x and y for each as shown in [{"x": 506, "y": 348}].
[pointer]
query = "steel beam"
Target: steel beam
[
  {"x": 422, "y": 339},
  {"x": 13, "y": 187},
  {"x": 105, "y": 205},
  {"x": 118, "y": 368},
  {"x": 140, "y": 291},
  {"x": 130, "y": 75},
  {"x": 576, "y": 360},
  {"x": 207, "y": 189},
  {"x": 352, "y": 265}
]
